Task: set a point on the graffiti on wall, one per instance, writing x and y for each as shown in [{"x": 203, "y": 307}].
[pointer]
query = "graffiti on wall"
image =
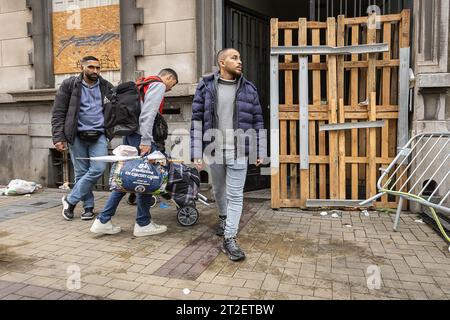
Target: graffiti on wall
[{"x": 97, "y": 34}]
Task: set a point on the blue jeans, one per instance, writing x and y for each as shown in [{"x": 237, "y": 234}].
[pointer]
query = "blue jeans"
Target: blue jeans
[
  {"x": 143, "y": 201},
  {"x": 86, "y": 172},
  {"x": 228, "y": 180}
]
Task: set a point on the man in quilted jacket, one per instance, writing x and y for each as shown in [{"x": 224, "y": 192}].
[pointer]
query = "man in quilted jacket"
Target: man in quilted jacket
[{"x": 227, "y": 112}]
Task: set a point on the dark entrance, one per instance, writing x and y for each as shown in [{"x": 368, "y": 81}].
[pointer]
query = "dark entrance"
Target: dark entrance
[{"x": 249, "y": 32}]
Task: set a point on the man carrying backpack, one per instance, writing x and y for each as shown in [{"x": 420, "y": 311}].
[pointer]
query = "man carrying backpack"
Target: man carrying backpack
[
  {"x": 78, "y": 124},
  {"x": 153, "y": 89}
]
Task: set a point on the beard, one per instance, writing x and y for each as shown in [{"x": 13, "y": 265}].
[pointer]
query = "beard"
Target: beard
[
  {"x": 234, "y": 72},
  {"x": 92, "y": 77}
]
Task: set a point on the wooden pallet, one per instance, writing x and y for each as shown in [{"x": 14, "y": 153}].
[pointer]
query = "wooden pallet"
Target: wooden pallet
[{"x": 343, "y": 164}]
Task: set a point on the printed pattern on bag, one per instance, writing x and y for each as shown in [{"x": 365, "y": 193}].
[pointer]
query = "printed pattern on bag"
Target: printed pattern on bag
[{"x": 138, "y": 176}]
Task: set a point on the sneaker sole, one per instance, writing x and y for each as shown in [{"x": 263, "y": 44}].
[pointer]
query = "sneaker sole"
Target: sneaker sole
[
  {"x": 90, "y": 218},
  {"x": 232, "y": 258},
  {"x": 148, "y": 234},
  {"x": 105, "y": 232},
  {"x": 65, "y": 206}
]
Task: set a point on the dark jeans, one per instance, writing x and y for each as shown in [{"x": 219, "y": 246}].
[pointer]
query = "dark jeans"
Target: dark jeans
[{"x": 143, "y": 216}]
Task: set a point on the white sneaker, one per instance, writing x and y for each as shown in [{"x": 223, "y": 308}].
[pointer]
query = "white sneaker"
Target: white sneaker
[
  {"x": 107, "y": 228},
  {"x": 148, "y": 230}
]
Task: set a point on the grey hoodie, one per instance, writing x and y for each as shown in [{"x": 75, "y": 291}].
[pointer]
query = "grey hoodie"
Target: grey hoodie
[{"x": 149, "y": 109}]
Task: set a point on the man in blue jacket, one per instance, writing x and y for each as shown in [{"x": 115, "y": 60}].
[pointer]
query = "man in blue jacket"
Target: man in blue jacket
[{"x": 225, "y": 109}]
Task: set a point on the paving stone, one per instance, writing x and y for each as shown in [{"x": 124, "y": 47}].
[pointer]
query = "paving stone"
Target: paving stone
[
  {"x": 247, "y": 293},
  {"x": 13, "y": 288},
  {"x": 213, "y": 288},
  {"x": 417, "y": 295},
  {"x": 54, "y": 295},
  {"x": 295, "y": 289},
  {"x": 323, "y": 293},
  {"x": 229, "y": 281},
  {"x": 12, "y": 297},
  {"x": 149, "y": 289},
  {"x": 291, "y": 254},
  {"x": 124, "y": 295},
  {"x": 433, "y": 291},
  {"x": 122, "y": 284},
  {"x": 95, "y": 290},
  {"x": 250, "y": 275},
  {"x": 34, "y": 292},
  {"x": 418, "y": 278}
]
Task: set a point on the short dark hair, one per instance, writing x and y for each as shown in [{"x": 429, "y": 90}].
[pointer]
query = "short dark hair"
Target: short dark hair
[
  {"x": 222, "y": 52},
  {"x": 89, "y": 58},
  {"x": 168, "y": 71}
]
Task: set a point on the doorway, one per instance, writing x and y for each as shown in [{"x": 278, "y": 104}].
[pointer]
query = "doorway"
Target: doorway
[{"x": 249, "y": 32}]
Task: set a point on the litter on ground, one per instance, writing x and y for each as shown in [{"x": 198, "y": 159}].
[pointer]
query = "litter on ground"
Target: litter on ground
[
  {"x": 186, "y": 291},
  {"x": 365, "y": 213},
  {"x": 21, "y": 187}
]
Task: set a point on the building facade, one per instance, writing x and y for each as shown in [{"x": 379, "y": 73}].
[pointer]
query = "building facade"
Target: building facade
[{"x": 43, "y": 40}]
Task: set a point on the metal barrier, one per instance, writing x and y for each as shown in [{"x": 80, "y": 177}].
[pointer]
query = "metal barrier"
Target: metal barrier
[{"x": 420, "y": 173}]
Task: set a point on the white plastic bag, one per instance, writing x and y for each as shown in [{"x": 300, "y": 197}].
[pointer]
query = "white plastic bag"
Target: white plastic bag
[
  {"x": 17, "y": 187},
  {"x": 156, "y": 155},
  {"x": 125, "y": 151}
]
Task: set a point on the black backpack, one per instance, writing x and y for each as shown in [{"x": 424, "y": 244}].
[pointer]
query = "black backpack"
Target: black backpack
[{"x": 123, "y": 109}]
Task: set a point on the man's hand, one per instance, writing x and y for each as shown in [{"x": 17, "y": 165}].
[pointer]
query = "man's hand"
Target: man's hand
[
  {"x": 61, "y": 146},
  {"x": 145, "y": 149},
  {"x": 198, "y": 164},
  {"x": 259, "y": 162}
]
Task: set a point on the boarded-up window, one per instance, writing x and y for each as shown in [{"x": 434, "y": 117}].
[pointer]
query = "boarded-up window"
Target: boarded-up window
[{"x": 78, "y": 32}]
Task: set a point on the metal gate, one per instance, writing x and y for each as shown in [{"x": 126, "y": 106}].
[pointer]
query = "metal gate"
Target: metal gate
[
  {"x": 356, "y": 109},
  {"x": 425, "y": 159},
  {"x": 320, "y": 10}
]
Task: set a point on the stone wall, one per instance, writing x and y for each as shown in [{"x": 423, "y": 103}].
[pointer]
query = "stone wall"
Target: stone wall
[
  {"x": 24, "y": 141},
  {"x": 15, "y": 71},
  {"x": 431, "y": 105},
  {"x": 168, "y": 35}
]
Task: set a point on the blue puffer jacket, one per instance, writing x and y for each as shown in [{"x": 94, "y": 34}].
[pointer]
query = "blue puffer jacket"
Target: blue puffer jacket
[{"x": 247, "y": 114}]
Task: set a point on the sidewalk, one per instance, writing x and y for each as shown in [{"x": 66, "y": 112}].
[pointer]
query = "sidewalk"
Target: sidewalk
[{"x": 290, "y": 255}]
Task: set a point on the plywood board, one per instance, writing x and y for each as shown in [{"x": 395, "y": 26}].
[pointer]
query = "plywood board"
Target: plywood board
[{"x": 96, "y": 32}]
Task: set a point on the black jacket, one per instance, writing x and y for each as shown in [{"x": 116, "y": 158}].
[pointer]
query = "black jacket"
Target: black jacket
[{"x": 67, "y": 107}]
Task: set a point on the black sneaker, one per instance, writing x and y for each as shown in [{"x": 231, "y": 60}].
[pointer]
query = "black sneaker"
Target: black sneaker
[
  {"x": 132, "y": 199},
  {"x": 67, "y": 211},
  {"x": 221, "y": 226},
  {"x": 232, "y": 250},
  {"x": 88, "y": 214}
]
